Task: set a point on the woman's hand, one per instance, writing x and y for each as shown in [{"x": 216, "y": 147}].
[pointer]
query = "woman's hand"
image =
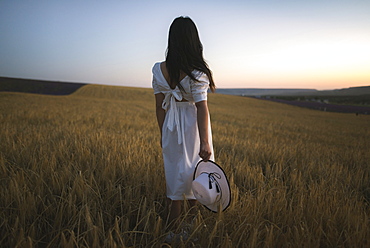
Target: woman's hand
[{"x": 205, "y": 151}]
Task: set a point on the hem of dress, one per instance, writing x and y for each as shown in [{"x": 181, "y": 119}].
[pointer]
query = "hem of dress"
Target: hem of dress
[{"x": 180, "y": 198}]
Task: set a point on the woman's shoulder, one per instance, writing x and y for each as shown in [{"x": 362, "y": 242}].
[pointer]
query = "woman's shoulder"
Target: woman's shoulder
[
  {"x": 199, "y": 75},
  {"x": 156, "y": 66}
]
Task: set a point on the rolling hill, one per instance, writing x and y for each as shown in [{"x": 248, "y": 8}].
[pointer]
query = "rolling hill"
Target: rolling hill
[
  {"x": 348, "y": 100},
  {"x": 38, "y": 86},
  {"x": 352, "y": 91}
]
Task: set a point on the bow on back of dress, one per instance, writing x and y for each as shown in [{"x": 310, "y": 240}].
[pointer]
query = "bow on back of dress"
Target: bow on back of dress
[{"x": 169, "y": 104}]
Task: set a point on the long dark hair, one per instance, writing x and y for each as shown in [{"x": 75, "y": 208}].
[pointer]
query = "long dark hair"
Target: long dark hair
[{"x": 185, "y": 52}]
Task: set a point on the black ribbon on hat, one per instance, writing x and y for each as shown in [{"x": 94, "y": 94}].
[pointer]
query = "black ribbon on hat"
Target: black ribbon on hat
[{"x": 212, "y": 179}]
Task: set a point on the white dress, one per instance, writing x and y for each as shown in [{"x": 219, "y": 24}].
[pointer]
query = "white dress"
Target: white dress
[{"x": 180, "y": 135}]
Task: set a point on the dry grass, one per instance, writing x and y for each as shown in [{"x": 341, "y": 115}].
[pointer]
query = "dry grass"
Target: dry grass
[{"x": 85, "y": 170}]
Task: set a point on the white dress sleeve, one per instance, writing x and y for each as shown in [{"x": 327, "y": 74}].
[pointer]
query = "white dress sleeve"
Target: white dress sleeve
[
  {"x": 155, "y": 86},
  {"x": 199, "y": 88},
  {"x": 154, "y": 80}
]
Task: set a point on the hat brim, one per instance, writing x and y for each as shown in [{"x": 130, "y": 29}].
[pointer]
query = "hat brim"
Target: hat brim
[{"x": 212, "y": 167}]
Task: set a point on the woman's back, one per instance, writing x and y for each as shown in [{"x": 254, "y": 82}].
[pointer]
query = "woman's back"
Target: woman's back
[{"x": 192, "y": 90}]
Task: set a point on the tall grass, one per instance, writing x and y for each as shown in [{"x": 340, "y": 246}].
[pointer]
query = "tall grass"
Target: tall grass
[{"x": 86, "y": 170}]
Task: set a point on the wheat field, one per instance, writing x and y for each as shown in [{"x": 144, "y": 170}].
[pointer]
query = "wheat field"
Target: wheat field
[{"x": 85, "y": 170}]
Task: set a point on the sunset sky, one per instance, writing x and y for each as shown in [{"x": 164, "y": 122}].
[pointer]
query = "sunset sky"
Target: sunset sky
[{"x": 313, "y": 44}]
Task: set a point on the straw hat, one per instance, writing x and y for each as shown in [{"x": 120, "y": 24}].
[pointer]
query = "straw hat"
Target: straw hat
[{"x": 210, "y": 186}]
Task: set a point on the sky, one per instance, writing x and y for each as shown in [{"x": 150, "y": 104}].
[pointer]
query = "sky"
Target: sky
[{"x": 314, "y": 44}]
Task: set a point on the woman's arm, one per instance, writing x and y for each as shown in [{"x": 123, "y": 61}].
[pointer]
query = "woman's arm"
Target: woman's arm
[
  {"x": 203, "y": 119},
  {"x": 159, "y": 111}
]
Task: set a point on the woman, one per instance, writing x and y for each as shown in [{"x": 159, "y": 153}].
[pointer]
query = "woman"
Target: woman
[{"x": 180, "y": 86}]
